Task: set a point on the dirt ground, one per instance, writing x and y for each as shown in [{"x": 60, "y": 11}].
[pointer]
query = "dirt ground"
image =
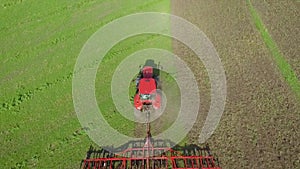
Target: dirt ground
[
  {"x": 282, "y": 21},
  {"x": 260, "y": 124}
]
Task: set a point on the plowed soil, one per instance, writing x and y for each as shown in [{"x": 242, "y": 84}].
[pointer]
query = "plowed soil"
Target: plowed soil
[
  {"x": 260, "y": 125},
  {"x": 282, "y": 21}
]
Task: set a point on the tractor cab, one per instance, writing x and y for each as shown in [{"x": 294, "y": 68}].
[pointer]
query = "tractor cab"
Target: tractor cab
[{"x": 146, "y": 93}]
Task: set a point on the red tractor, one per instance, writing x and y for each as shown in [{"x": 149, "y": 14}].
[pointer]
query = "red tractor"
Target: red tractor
[{"x": 146, "y": 89}]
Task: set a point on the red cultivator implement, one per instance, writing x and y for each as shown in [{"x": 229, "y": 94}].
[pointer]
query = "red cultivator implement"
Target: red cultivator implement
[
  {"x": 152, "y": 157},
  {"x": 159, "y": 158},
  {"x": 151, "y": 154}
]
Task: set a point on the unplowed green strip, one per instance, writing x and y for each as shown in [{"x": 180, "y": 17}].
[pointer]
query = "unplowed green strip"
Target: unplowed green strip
[{"x": 284, "y": 67}]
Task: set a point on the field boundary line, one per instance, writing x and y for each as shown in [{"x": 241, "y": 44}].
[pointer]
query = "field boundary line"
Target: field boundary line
[{"x": 284, "y": 67}]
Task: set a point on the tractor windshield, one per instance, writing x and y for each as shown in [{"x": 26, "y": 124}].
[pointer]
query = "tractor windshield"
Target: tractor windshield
[{"x": 145, "y": 96}]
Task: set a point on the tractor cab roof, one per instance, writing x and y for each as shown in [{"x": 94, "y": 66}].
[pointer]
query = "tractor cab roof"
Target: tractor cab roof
[{"x": 147, "y": 72}]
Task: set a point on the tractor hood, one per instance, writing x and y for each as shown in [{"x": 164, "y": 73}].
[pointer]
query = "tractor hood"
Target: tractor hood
[{"x": 147, "y": 85}]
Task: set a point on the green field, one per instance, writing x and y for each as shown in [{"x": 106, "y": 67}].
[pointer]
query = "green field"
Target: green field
[{"x": 40, "y": 44}]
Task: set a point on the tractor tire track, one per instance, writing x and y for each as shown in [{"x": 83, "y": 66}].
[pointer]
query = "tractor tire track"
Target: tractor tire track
[
  {"x": 55, "y": 12},
  {"x": 11, "y": 3},
  {"x": 16, "y": 101},
  {"x": 19, "y": 56},
  {"x": 20, "y": 98},
  {"x": 51, "y": 149},
  {"x": 55, "y": 41}
]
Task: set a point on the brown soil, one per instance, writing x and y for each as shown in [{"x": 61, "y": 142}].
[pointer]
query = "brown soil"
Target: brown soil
[
  {"x": 260, "y": 125},
  {"x": 281, "y": 19}
]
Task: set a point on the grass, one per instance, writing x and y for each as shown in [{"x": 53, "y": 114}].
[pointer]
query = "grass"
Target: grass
[
  {"x": 284, "y": 67},
  {"x": 41, "y": 41}
]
